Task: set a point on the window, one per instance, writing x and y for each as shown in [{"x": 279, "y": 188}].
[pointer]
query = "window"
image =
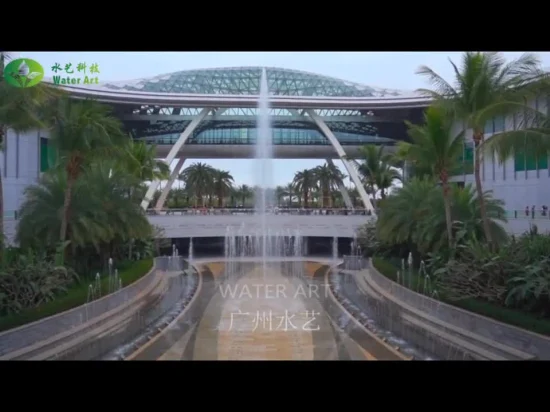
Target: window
[
  {"x": 48, "y": 156},
  {"x": 495, "y": 125},
  {"x": 524, "y": 163}
]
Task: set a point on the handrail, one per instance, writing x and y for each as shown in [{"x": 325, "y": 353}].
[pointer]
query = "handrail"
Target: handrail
[
  {"x": 252, "y": 211},
  {"x": 508, "y": 214}
]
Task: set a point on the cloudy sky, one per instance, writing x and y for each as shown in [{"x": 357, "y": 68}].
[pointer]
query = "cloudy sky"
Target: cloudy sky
[{"x": 394, "y": 70}]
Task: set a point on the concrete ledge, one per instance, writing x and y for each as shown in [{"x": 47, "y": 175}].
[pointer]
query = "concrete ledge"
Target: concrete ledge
[
  {"x": 26, "y": 336},
  {"x": 391, "y": 353},
  {"x": 494, "y": 336},
  {"x": 115, "y": 319},
  {"x": 135, "y": 355},
  {"x": 61, "y": 342}
]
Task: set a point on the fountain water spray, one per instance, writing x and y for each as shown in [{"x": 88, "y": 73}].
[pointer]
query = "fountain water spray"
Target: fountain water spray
[
  {"x": 264, "y": 154},
  {"x": 263, "y": 242}
]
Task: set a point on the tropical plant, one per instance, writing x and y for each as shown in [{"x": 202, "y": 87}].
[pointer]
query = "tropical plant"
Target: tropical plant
[
  {"x": 222, "y": 182},
  {"x": 376, "y": 168},
  {"x": 304, "y": 182},
  {"x": 30, "y": 280},
  {"x": 415, "y": 215},
  {"x": 139, "y": 159},
  {"x": 329, "y": 177},
  {"x": 21, "y": 109},
  {"x": 435, "y": 148},
  {"x": 198, "y": 178},
  {"x": 82, "y": 131},
  {"x": 101, "y": 210},
  {"x": 485, "y": 86}
]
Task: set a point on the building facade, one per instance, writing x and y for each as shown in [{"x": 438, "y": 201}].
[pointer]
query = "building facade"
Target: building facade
[
  {"x": 212, "y": 113},
  {"x": 521, "y": 181}
]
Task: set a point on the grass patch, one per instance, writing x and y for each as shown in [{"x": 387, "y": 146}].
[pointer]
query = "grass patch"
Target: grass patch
[
  {"x": 500, "y": 313},
  {"x": 75, "y": 296}
]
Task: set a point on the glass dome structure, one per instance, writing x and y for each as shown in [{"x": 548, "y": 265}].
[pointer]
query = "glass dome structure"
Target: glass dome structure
[{"x": 246, "y": 81}]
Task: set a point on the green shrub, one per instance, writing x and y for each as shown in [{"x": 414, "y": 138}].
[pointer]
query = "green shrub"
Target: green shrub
[
  {"x": 491, "y": 310},
  {"x": 75, "y": 296},
  {"x": 31, "y": 280}
]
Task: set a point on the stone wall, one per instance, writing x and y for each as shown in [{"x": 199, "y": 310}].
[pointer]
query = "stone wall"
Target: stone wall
[
  {"x": 26, "y": 335},
  {"x": 508, "y": 335}
]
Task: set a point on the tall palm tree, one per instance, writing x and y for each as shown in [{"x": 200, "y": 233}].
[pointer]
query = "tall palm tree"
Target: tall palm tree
[
  {"x": 304, "y": 182},
  {"x": 82, "y": 131},
  {"x": 436, "y": 148},
  {"x": 329, "y": 178},
  {"x": 484, "y": 86},
  {"x": 20, "y": 110},
  {"x": 223, "y": 183},
  {"x": 198, "y": 177}
]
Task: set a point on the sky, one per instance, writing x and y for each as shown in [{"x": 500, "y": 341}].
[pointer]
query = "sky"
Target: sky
[{"x": 395, "y": 70}]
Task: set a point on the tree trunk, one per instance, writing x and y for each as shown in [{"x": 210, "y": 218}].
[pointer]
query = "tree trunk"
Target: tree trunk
[
  {"x": 478, "y": 139},
  {"x": 326, "y": 198},
  {"x": 1, "y": 211},
  {"x": 305, "y": 199},
  {"x": 66, "y": 208},
  {"x": 3, "y": 134},
  {"x": 448, "y": 218},
  {"x": 220, "y": 198}
]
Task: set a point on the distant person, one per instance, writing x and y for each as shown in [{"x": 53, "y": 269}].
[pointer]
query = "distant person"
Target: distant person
[{"x": 527, "y": 211}]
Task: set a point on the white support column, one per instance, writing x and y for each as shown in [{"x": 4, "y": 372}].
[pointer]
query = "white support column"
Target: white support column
[
  {"x": 343, "y": 190},
  {"x": 168, "y": 187},
  {"x": 340, "y": 151},
  {"x": 174, "y": 151}
]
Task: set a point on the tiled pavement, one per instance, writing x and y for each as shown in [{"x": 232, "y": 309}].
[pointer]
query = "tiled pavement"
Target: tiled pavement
[{"x": 267, "y": 317}]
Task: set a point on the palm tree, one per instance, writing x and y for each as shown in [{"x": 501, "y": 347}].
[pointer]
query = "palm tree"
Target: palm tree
[
  {"x": 329, "y": 178},
  {"x": 141, "y": 162},
  {"x": 414, "y": 215},
  {"x": 289, "y": 192},
  {"x": 101, "y": 211},
  {"x": 485, "y": 86},
  {"x": 82, "y": 131},
  {"x": 466, "y": 218},
  {"x": 304, "y": 182},
  {"x": 223, "y": 183},
  {"x": 376, "y": 169},
  {"x": 20, "y": 110},
  {"x": 436, "y": 148},
  {"x": 245, "y": 192},
  {"x": 198, "y": 177}
]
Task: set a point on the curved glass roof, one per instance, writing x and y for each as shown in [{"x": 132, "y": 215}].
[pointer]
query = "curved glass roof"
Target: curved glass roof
[{"x": 246, "y": 81}]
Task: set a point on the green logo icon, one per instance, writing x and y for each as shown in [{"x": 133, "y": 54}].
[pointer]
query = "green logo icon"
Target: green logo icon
[{"x": 23, "y": 73}]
